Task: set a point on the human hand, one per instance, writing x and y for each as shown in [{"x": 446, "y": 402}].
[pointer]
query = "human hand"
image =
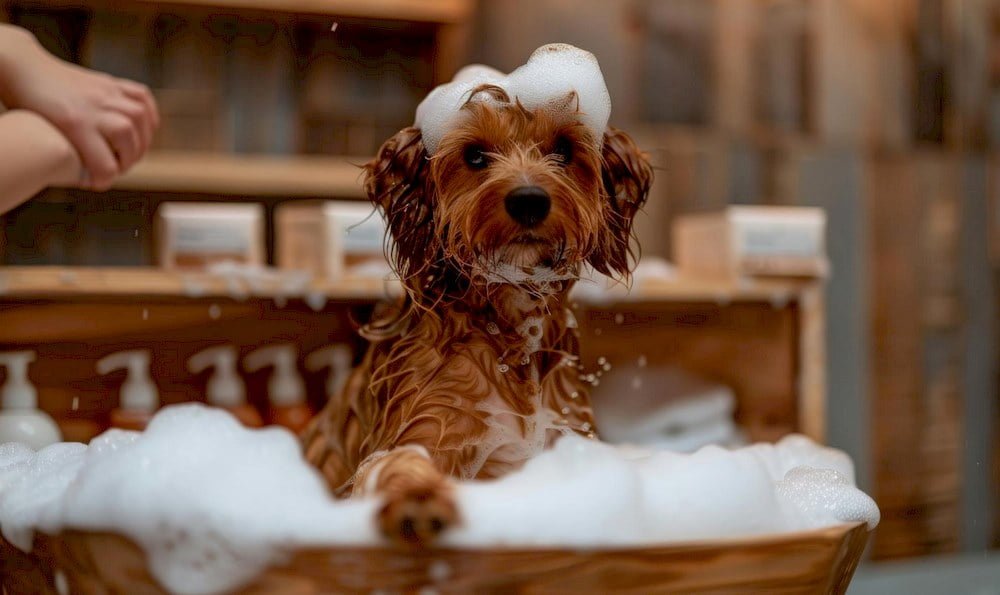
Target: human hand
[{"x": 109, "y": 121}]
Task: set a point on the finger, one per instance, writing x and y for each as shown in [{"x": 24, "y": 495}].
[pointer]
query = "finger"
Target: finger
[
  {"x": 123, "y": 137},
  {"x": 142, "y": 94},
  {"x": 98, "y": 159},
  {"x": 136, "y": 113}
]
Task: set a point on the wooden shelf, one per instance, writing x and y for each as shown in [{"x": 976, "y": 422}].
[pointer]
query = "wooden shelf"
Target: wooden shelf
[
  {"x": 423, "y": 11},
  {"x": 42, "y": 282},
  {"x": 722, "y": 291},
  {"x": 764, "y": 339},
  {"x": 34, "y": 282},
  {"x": 256, "y": 175}
]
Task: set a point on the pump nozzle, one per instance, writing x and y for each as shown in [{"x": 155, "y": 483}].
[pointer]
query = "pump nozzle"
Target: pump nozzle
[
  {"x": 285, "y": 386},
  {"x": 18, "y": 392},
  {"x": 138, "y": 392},
  {"x": 224, "y": 388},
  {"x": 338, "y": 359}
]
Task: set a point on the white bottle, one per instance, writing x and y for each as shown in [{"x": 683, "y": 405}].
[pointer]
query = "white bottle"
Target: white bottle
[
  {"x": 139, "y": 397},
  {"x": 338, "y": 359},
  {"x": 225, "y": 389},
  {"x": 285, "y": 390},
  {"x": 20, "y": 418}
]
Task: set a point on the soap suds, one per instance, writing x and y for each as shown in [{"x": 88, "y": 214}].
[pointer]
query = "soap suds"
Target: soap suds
[
  {"x": 549, "y": 80},
  {"x": 213, "y": 503}
]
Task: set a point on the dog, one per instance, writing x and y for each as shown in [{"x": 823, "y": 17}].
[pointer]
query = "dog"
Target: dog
[{"x": 478, "y": 369}]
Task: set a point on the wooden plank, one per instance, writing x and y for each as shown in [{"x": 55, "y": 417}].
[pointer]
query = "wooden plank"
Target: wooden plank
[
  {"x": 897, "y": 375},
  {"x": 735, "y": 22},
  {"x": 818, "y": 561},
  {"x": 861, "y": 65},
  {"x": 246, "y": 175},
  {"x": 780, "y": 60},
  {"x": 454, "y": 43},
  {"x": 429, "y": 11},
  {"x": 26, "y": 283},
  {"x": 916, "y": 366},
  {"x": 993, "y": 194},
  {"x": 21, "y": 283},
  {"x": 967, "y": 31},
  {"x": 812, "y": 364}
]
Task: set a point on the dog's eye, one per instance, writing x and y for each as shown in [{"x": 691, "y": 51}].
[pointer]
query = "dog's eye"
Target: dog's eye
[
  {"x": 475, "y": 157},
  {"x": 563, "y": 151}
]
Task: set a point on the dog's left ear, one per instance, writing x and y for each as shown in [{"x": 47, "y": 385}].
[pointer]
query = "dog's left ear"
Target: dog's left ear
[{"x": 627, "y": 176}]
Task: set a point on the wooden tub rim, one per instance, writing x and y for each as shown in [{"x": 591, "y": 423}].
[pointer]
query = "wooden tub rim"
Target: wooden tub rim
[{"x": 831, "y": 532}]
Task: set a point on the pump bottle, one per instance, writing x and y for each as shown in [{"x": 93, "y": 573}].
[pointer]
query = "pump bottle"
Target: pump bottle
[
  {"x": 286, "y": 391},
  {"x": 337, "y": 359},
  {"x": 20, "y": 418},
  {"x": 139, "y": 397},
  {"x": 225, "y": 389}
]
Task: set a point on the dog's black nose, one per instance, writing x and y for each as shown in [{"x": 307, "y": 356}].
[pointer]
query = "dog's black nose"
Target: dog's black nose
[{"x": 528, "y": 205}]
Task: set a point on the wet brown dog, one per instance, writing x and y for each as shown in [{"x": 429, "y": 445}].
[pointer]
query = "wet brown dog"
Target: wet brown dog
[{"x": 478, "y": 371}]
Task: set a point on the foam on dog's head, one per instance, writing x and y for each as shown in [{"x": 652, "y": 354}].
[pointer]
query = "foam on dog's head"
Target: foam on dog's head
[{"x": 552, "y": 74}]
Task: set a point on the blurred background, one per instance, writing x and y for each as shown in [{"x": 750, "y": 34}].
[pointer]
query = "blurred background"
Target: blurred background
[{"x": 884, "y": 113}]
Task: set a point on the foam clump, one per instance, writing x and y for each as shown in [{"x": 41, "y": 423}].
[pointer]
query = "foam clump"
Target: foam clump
[
  {"x": 213, "y": 503},
  {"x": 584, "y": 492},
  {"x": 552, "y": 73}
]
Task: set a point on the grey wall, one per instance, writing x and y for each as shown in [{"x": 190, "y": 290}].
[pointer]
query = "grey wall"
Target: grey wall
[{"x": 979, "y": 376}]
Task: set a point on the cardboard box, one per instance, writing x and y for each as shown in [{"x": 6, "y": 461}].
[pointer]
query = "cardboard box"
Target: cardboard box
[
  {"x": 752, "y": 240},
  {"x": 331, "y": 239},
  {"x": 197, "y": 235}
]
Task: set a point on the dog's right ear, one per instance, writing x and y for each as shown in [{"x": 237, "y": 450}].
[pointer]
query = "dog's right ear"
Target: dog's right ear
[{"x": 397, "y": 181}]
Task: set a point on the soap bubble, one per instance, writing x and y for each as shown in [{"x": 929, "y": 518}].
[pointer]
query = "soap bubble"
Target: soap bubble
[{"x": 553, "y": 74}]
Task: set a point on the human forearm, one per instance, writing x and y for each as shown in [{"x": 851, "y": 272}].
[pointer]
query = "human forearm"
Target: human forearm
[
  {"x": 33, "y": 156},
  {"x": 18, "y": 47}
]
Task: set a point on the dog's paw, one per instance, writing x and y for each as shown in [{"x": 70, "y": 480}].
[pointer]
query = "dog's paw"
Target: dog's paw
[{"x": 416, "y": 516}]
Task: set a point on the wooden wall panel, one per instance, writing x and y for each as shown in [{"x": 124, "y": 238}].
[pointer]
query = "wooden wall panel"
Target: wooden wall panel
[{"x": 914, "y": 207}]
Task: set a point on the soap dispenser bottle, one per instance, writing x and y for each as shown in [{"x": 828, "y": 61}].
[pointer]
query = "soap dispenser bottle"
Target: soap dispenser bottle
[
  {"x": 285, "y": 390},
  {"x": 20, "y": 418},
  {"x": 337, "y": 358},
  {"x": 225, "y": 389},
  {"x": 139, "y": 397}
]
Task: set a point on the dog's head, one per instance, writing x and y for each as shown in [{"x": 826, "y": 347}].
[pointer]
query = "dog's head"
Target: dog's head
[{"x": 508, "y": 189}]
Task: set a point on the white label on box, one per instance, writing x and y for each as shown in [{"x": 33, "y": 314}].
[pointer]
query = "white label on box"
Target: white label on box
[
  {"x": 774, "y": 239},
  {"x": 209, "y": 237}
]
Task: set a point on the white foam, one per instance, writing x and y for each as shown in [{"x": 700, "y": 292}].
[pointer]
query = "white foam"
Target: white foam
[
  {"x": 213, "y": 503},
  {"x": 552, "y": 72}
]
